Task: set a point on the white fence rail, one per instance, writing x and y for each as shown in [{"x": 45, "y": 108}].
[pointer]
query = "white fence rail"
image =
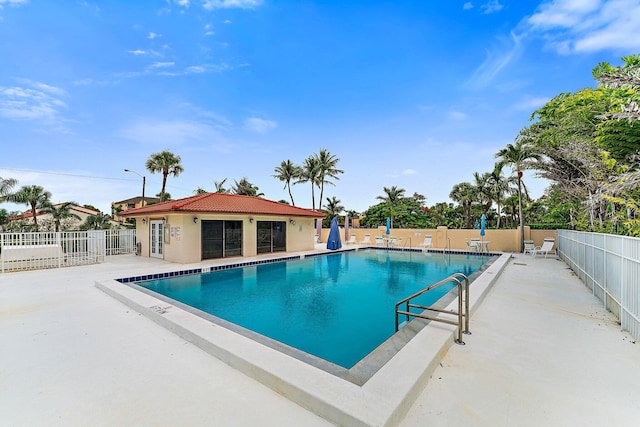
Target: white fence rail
[
  {"x": 610, "y": 266},
  {"x": 32, "y": 251}
]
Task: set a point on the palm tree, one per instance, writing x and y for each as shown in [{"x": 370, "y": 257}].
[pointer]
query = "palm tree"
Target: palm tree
[
  {"x": 326, "y": 169},
  {"x": 245, "y": 188},
  {"x": 62, "y": 211},
  {"x": 6, "y": 185},
  {"x": 333, "y": 208},
  {"x": 498, "y": 186},
  {"x": 520, "y": 157},
  {"x": 285, "y": 173},
  {"x": 464, "y": 194},
  {"x": 310, "y": 172},
  {"x": 167, "y": 163},
  {"x": 96, "y": 222},
  {"x": 199, "y": 191},
  {"x": 220, "y": 186},
  {"x": 391, "y": 198},
  {"x": 33, "y": 196}
]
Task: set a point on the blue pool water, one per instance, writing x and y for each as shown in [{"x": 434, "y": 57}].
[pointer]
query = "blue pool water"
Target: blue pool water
[{"x": 338, "y": 307}]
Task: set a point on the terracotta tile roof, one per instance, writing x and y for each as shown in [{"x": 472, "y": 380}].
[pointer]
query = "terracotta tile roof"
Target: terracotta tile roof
[{"x": 223, "y": 203}]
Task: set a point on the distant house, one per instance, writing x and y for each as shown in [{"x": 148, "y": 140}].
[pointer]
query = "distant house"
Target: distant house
[
  {"x": 46, "y": 222},
  {"x": 218, "y": 225},
  {"x": 132, "y": 203}
]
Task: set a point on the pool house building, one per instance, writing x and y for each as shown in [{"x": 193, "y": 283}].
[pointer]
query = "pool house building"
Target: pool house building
[{"x": 219, "y": 225}]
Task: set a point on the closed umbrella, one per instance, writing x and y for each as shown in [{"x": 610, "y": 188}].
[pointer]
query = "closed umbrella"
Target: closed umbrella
[
  {"x": 333, "y": 241},
  {"x": 483, "y": 223},
  {"x": 346, "y": 228},
  {"x": 388, "y": 226}
]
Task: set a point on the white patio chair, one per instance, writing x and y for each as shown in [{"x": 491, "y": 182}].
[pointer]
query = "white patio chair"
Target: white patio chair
[
  {"x": 472, "y": 246},
  {"x": 547, "y": 246},
  {"x": 379, "y": 241},
  {"x": 351, "y": 240},
  {"x": 529, "y": 247},
  {"x": 427, "y": 243},
  {"x": 366, "y": 240}
]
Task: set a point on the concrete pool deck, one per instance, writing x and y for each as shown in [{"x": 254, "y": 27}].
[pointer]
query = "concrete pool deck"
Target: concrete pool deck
[{"x": 543, "y": 352}]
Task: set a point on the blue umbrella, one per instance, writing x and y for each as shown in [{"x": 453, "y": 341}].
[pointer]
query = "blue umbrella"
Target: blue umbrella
[
  {"x": 483, "y": 223},
  {"x": 388, "y": 226},
  {"x": 476, "y": 226},
  {"x": 333, "y": 241}
]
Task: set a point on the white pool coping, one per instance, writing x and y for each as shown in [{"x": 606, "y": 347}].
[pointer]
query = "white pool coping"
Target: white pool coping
[{"x": 381, "y": 401}]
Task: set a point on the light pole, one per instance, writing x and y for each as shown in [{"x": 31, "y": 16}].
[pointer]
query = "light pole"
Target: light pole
[{"x": 144, "y": 182}]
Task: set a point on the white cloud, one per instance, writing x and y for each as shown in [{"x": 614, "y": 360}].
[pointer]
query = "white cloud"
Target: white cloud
[
  {"x": 162, "y": 64},
  {"x": 13, "y": 3},
  {"x": 153, "y": 35},
  {"x": 571, "y": 26},
  {"x": 231, "y": 4},
  {"x": 491, "y": 6},
  {"x": 409, "y": 172},
  {"x": 255, "y": 124},
  {"x": 495, "y": 62},
  {"x": 458, "y": 115},
  {"x": 175, "y": 133},
  {"x": 531, "y": 103},
  {"x": 468, "y": 5},
  {"x": 137, "y": 52},
  {"x": 197, "y": 69},
  {"x": 40, "y": 102}
]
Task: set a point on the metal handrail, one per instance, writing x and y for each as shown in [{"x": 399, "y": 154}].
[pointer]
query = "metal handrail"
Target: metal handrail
[
  {"x": 405, "y": 243},
  {"x": 462, "y": 282}
]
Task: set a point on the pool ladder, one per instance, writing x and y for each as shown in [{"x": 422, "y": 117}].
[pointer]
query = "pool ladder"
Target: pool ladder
[
  {"x": 404, "y": 245},
  {"x": 462, "y": 283}
]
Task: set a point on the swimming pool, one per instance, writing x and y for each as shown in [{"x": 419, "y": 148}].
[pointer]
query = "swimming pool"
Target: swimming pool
[{"x": 338, "y": 307}]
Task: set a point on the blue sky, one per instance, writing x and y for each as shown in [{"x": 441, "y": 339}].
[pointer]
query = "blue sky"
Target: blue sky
[{"x": 417, "y": 94}]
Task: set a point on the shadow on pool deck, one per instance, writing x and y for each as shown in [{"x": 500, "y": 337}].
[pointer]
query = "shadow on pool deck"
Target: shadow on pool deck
[{"x": 543, "y": 352}]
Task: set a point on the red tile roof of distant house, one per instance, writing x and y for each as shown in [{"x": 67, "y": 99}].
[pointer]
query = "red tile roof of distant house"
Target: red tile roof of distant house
[{"x": 223, "y": 203}]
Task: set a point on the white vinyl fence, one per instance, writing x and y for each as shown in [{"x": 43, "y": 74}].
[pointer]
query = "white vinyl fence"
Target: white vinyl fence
[
  {"x": 32, "y": 251},
  {"x": 610, "y": 266}
]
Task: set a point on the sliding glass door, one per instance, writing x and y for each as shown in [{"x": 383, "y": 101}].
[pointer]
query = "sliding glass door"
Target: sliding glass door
[
  {"x": 221, "y": 239},
  {"x": 271, "y": 236}
]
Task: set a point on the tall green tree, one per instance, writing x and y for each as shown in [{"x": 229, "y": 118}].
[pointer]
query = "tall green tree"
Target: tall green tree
[
  {"x": 310, "y": 172},
  {"x": 497, "y": 187},
  {"x": 98, "y": 221},
  {"x": 33, "y": 196},
  {"x": 327, "y": 170},
  {"x": 245, "y": 188},
  {"x": 464, "y": 193},
  {"x": 333, "y": 209},
  {"x": 61, "y": 212},
  {"x": 6, "y": 185},
  {"x": 219, "y": 185},
  {"x": 391, "y": 198},
  {"x": 166, "y": 163},
  {"x": 287, "y": 172},
  {"x": 519, "y": 156}
]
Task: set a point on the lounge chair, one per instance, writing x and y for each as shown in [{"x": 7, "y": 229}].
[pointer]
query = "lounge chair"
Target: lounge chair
[
  {"x": 366, "y": 240},
  {"x": 427, "y": 243},
  {"x": 379, "y": 240},
  {"x": 529, "y": 247},
  {"x": 392, "y": 241},
  {"x": 351, "y": 240},
  {"x": 547, "y": 246},
  {"x": 472, "y": 246}
]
